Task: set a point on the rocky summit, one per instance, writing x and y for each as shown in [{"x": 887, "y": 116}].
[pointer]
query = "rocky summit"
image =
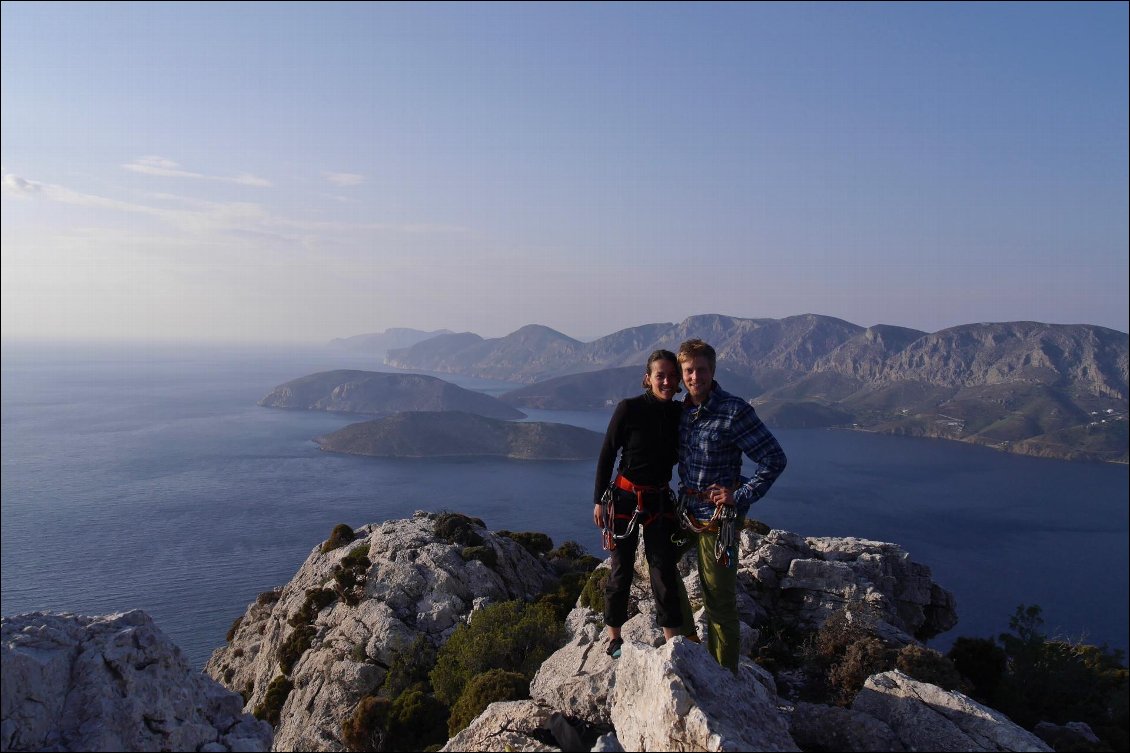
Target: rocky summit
[{"x": 312, "y": 656}]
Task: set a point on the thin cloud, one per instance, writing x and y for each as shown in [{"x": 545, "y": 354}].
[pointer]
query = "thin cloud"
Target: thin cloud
[
  {"x": 344, "y": 179},
  {"x": 164, "y": 167}
]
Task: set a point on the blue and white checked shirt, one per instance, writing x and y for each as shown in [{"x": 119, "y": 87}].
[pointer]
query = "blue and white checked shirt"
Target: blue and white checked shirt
[{"x": 712, "y": 438}]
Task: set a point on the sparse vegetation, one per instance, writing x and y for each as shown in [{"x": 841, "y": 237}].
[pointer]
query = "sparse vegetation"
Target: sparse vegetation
[
  {"x": 339, "y": 537},
  {"x": 484, "y": 554},
  {"x": 756, "y": 526},
  {"x": 456, "y": 528},
  {"x": 271, "y": 707},
  {"x": 294, "y": 646},
  {"x": 409, "y": 668},
  {"x": 533, "y": 542},
  {"x": 483, "y": 690},
  {"x": 234, "y": 628},
  {"x": 592, "y": 595},
  {"x": 509, "y": 635},
  {"x": 1040, "y": 679}
]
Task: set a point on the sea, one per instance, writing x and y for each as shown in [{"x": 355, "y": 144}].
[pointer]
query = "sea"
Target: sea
[{"x": 145, "y": 476}]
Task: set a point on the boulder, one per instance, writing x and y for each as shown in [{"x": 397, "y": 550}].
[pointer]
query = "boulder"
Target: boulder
[
  {"x": 114, "y": 682},
  {"x": 678, "y": 697},
  {"x": 925, "y": 717}
]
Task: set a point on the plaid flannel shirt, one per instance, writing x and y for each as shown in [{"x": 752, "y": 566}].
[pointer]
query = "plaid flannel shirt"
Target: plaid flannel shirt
[{"x": 712, "y": 438}]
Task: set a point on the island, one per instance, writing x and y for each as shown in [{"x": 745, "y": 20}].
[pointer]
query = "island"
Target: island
[
  {"x": 382, "y": 394},
  {"x": 420, "y": 434}
]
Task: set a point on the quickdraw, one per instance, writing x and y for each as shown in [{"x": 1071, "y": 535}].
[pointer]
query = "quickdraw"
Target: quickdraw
[
  {"x": 724, "y": 521},
  {"x": 639, "y": 515}
]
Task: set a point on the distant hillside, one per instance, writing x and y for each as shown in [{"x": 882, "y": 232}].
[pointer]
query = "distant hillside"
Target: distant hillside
[
  {"x": 377, "y": 393},
  {"x": 596, "y": 390},
  {"x": 457, "y": 434},
  {"x": 1047, "y": 389},
  {"x": 381, "y": 342},
  {"x": 526, "y": 355}
]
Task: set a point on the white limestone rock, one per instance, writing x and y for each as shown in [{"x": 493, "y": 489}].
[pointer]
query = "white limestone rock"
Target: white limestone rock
[
  {"x": 114, "y": 682},
  {"x": 416, "y": 585},
  {"x": 678, "y": 698},
  {"x": 925, "y": 717},
  {"x": 505, "y": 726}
]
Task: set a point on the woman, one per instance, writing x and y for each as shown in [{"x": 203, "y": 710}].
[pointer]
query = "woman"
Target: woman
[{"x": 645, "y": 431}]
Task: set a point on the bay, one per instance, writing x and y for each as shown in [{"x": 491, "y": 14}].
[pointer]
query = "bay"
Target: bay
[{"x": 145, "y": 476}]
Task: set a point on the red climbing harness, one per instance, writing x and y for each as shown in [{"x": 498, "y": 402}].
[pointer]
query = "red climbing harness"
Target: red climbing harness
[{"x": 639, "y": 515}]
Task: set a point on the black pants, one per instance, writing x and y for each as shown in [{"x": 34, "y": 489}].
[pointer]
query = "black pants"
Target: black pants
[{"x": 661, "y": 560}]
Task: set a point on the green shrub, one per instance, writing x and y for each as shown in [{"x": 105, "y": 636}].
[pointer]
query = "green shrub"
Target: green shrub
[
  {"x": 268, "y": 597},
  {"x": 317, "y": 599},
  {"x": 533, "y": 542},
  {"x": 863, "y": 658},
  {"x": 272, "y": 704},
  {"x": 484, "y": 554},
  {"x": 982, "y": 662},
  {"x": 366, "y": 729},
  {"x": 350, "y": 575},
  {"x": 409, "y": 668},
  {"x": 563, "y": 597},
  {"x": 339, "y": 536},
  {"x": 294, "y": 646},
  {"x": 483, "y": 690},
  {"x": 455, "y": 528},
  {"x": 592, "y": 595},
  {"x": 358, "y": 558},
  {"x": 756, "y": 526},
  {"x": 416, "y": 722},
  {"x": 509, "y": 635},
  {"x": 234, "y": 627},
  {"x": 927, "y": 665},
  {"x": 570, "y": 550}
]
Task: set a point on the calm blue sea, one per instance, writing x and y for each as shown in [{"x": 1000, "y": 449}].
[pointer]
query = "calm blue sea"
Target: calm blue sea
[{"x": 147, "y": 477}]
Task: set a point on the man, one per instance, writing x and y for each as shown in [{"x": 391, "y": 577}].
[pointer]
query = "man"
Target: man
[{"x": 715, "y": 429}]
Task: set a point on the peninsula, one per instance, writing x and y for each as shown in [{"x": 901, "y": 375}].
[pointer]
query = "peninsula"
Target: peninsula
[
  {"x": 420, "y": 434},
  {"x": 381, "y": 394}
]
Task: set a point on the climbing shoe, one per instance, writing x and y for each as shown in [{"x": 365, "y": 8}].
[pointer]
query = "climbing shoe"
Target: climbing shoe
[{"x": 614, "y": 646}]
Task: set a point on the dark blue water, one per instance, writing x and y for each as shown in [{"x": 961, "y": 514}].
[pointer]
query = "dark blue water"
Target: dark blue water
[{"x": 147, "y": 477}]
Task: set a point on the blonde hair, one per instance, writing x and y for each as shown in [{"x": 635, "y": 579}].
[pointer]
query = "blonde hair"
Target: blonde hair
[{"x": 694, "y": 348}]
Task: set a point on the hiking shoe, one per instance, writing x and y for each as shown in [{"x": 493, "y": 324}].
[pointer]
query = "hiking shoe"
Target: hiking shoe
[{"x": 614, "y": 646}]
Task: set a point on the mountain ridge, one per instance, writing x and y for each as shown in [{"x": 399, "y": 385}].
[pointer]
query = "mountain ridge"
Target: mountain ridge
[{"x": 1014, "y": 384}]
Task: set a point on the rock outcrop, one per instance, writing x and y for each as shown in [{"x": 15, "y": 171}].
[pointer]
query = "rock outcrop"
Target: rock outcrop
[
  {"x": 112, "y": 683},
  {"x": 307, "y": 654},
  {"x": 417, "y": 584}
]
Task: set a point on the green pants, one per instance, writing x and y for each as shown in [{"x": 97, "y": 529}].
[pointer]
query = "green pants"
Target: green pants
[{"x": 719, "y": 595}]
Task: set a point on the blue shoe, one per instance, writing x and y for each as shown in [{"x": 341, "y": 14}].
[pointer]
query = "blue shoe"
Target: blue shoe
[{"x": 614, "y": 646}]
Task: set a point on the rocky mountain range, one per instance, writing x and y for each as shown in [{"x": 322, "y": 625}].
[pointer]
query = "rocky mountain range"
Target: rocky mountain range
[
  {"x": 1043, "y": 389},
  {"x": 379, "y": 393},
  {"x": 420, "y": 434}
]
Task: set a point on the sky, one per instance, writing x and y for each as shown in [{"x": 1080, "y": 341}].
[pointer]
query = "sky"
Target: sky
[{"x": 291, "y": 172}]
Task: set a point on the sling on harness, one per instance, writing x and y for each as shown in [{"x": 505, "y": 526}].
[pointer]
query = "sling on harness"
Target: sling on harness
[
  {"x": 639, "y": 515},
  {"x": 724, "y": 521}
]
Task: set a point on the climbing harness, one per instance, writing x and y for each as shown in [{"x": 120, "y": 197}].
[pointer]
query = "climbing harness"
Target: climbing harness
[
  {"x": 639, "y": 515},
  {"x": 724, "y": 521}
]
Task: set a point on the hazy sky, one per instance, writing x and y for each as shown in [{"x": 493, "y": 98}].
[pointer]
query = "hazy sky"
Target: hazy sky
[{"x": 303, "y": 172}]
